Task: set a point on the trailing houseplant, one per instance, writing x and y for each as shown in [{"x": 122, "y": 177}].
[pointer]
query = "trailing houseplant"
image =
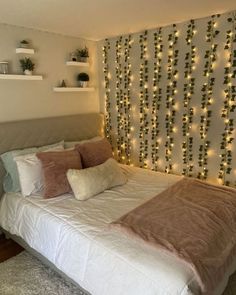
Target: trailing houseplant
[
  {"x": 83, "y": 79},
  {"x": 27, "y": 65},
  {"x": 82, "y": 54},
  {"x": 24, "y": 44}
]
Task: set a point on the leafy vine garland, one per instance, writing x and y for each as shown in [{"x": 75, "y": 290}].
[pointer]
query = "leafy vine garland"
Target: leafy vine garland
[
  {"x": 127, "y": 103},
  {"x": 108, "y": 123},
  {"x": 229, "y": 103},
  {"x": 207, "y": 97},
  {"x": 171, "y": 91},
  {"x": 189, "y": 86},
  {"x": 157, "y": 95},
  {"x": 143, "y": 101}
]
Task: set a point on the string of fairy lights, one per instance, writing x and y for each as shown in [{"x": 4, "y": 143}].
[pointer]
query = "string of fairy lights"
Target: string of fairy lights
[
  {"x": 207, "y": 96},
  {"x": 157, "y": 96},
  {"x": 189, "y": 87},
  {"x": 119, "y": 101},
  {"x": 108, "y": 123},
  {"x": 171, "y": 91},
  {"x": 229, "y": 103},
  {"x": 160, "y": 98},
  {"x": 127, "y": 99},
  {"x": 143, "y": 101}
]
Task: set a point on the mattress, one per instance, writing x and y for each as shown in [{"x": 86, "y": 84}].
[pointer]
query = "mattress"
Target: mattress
[{"x": 75, "y": 237}]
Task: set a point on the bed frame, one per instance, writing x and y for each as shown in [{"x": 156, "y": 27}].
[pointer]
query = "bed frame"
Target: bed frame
[{"x": 38, "y": 132}]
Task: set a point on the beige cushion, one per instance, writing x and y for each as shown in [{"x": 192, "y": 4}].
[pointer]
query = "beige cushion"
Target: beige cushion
[
  {"x": 72, "y": 144},
  {"x": 94, "y": 153},
  {"x": 55, "y": 166},
  {"x": 89, "y": 182}
]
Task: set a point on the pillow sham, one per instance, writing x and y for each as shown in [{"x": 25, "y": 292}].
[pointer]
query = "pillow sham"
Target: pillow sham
[
  {"x": 30, "y": 172},
  {"x": 55, "y": 166},
  {"x": 94, "y": 153},
  {"x": 89, "y": 182},
  {"x": 11, "y": 181},
  {"x": 72, "y": 144}
]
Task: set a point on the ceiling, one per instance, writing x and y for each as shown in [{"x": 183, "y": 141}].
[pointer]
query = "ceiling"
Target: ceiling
[{"x": 98, "y": 19}]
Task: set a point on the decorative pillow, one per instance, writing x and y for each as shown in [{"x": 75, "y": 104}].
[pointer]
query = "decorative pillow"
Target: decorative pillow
[
  {"x": 55, "y": 166},
  {"x": 72, "y": 144},
  {"x": 30, "y": 172},
  {"x": 94, "y": 153},
  {"x": 89, "y": 182},
  {"x": 11, "y": 181}
]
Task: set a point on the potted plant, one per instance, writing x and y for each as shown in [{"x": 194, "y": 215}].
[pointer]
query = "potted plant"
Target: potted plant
[
  {"x": 82, "y": 54},
  {"x": 27, "y": 66},
  {"x": 24, "y": 44},
  {"x": 83, "y": 79}
]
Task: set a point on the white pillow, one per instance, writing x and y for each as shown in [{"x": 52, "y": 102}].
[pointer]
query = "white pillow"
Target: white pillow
[
  {"x": 30, "y": 172},
  {"x": 89, "y": 182}
]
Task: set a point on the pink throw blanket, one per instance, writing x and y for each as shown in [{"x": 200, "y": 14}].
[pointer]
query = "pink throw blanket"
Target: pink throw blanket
[{"x": 193, "y": 220}]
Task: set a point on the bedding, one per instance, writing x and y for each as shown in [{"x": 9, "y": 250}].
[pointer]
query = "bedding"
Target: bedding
[
  {"x": 11, "y": 181},
  {"x": 89, "y": 182},
  {"x": 94, "y": 153},
  {"x": 201, "y": 230},
  {"x": 54, "y": 167},
  {"x": 74, "y": 236},
  {"x": 30, "y": 172}
]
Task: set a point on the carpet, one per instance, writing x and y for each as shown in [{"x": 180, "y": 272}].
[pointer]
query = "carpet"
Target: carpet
[{"x": 26, "y": 275}]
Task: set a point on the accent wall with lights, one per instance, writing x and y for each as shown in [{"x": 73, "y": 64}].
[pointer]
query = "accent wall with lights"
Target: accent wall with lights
[{"x": 169, "y": 98}]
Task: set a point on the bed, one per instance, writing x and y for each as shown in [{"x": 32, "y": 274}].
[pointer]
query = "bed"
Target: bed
[{"x": 74, "y": 237}]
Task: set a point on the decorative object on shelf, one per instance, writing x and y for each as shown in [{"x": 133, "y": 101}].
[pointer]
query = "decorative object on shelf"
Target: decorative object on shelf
[
  {"x": 3, "y": 67},
  {"x": 82, "y": 54},
  {"x": 27, "y": 66},
  {"x": 73, "y": 56},
  {"x": 24, "y": 44},
  {"x": 83, "y": 79},
  {"x": 63, "y": 83}
]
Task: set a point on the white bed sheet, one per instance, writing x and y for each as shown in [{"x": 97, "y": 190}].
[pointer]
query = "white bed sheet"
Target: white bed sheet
[{"x": 74, "y": 235}]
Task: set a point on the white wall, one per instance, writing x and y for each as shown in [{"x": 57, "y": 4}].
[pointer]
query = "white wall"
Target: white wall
[
  {"x": 34, "y": 99},
  {"x": 217, "y": 126}
]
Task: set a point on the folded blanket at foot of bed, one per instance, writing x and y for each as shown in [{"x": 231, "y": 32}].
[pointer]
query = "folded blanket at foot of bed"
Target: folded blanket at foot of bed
[{"x": 193, "y": 220}]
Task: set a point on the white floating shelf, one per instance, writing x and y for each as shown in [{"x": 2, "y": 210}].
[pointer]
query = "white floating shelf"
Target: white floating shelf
[
  {"x": 77, "y": 64},
  {"x": 73, "y": 89},
  {"x": 25, "y": 50},
  {"x": 20, "y": 77}
]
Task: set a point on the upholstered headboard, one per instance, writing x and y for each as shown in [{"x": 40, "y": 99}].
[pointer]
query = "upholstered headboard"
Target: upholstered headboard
[{"x": 38, "y": 132}]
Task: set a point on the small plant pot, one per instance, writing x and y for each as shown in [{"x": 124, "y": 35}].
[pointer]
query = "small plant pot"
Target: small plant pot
[
  {"x": 28, "y": 72},
  {"x": 24, "y": 45},
  {"x": 82, "y": 59},
  {"x": 83, "y": 84}
]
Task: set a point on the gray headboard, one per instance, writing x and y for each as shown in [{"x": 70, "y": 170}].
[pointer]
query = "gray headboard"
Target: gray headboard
[{"x": 38, "y": 132}]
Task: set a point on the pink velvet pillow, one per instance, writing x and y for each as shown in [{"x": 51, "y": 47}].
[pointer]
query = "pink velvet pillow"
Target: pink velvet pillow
[
  {"x": 94, "y": 153},
  {"x": 55, "y": 166}
]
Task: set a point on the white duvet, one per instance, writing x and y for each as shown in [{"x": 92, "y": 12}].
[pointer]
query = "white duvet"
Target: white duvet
[{"x": 74, "y": 235}]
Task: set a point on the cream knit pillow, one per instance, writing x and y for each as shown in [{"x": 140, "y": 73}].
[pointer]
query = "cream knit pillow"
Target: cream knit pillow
[{"x": 89, "y": 182}]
